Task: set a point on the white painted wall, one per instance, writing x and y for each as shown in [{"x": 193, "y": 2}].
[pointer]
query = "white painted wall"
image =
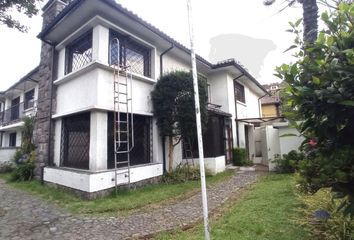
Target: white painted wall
[
  {"x": 289, "y": 143},
  {"x": 93, "y": 182},
  {"x": 6, "y": 155},
  {"x": 214, "y": 165},
  {"x": 98, "y": 141},
  {"x": 172, "y": 63}
]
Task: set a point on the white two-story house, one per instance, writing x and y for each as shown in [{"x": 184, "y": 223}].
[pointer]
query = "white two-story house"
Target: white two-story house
[
  {"x": 17, "y": 102},
  {"x": 81, "y": 37}
]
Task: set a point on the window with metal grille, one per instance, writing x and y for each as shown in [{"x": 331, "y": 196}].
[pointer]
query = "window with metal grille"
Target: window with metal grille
[
  {"x": 29, "y": 99},
  {"x": 131, "y": 54},
  {"x": 12, "y": 139},
  {"x": 75, "y": 141},
  {"x": 239, "y": 92},
  {"x": 142, "y": 151},
  {"x": 213, "y": 140},
  {"x": 79, "y": 53}
]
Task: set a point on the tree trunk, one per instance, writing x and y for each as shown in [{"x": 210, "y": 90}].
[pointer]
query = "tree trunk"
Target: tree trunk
[
  {"x": 310, "y": 15},
  {"x": 170, "y": 153}
]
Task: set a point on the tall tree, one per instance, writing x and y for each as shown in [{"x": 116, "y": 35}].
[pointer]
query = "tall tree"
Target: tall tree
[
  {"x": 173, "y": 102},
  {"x": 310, "y": 17},
  {"x": 27, "y": 7}
]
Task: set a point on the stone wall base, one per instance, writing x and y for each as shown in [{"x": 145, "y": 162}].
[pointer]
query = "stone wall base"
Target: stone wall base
[{"x": 105, "y": 192}]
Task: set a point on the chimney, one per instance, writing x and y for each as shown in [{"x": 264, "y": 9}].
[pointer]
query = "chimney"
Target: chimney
[
  {"x": 52, "y": 9},
  {"x": 43, "y": 133}
]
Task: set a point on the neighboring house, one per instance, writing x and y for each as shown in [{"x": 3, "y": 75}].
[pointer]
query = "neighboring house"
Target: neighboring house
[
  {"x": 18, "y": 101},
  {"x": 271, "y": 104},
  {"x": 74, "y": 131}
]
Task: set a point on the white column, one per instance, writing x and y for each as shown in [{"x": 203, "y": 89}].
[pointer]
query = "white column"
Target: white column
[
  {"x": 98, "y": 141},
  {"x": 61, "y": 63},
  {"x": 57, "y": 141},
  {"x": 100, "y": 44}
]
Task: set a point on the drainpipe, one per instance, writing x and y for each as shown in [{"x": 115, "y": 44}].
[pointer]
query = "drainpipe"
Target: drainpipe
[
  {"x": 236, "y": 117},
  {"x": 164, "y": 138},
  {"x": 259, "y": 104}
]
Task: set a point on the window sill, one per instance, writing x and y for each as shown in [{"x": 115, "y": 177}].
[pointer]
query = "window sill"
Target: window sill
[
  {"x": 241, "y": 103},
  {"x": 94, "y": 65}
]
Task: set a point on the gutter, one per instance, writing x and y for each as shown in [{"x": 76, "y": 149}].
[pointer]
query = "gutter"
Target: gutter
[
  {"x": 236, "y": 117},
  {"x": 164, "y": 138}
]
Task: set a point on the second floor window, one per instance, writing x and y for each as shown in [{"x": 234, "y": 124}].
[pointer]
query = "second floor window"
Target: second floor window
[
  {"x": 131, "y": 54},
  {"x": 29, "y": 99},
  {"x": 79, "y": 53},
  {"x": 239, "y": 92}
]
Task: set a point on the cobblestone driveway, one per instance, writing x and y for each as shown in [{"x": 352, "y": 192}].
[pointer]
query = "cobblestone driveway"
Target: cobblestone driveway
[{"x": 23, "y": 216}]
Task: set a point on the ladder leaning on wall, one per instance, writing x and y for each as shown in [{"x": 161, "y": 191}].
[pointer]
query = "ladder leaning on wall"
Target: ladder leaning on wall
[{"x": 123, "y": 116}]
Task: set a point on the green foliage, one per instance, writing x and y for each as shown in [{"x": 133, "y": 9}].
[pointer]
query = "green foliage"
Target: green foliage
[
  {"x": 28, "y": 7},
  {"x": 183, "y": 173},
  {"x": 27, "y": 135},
  {"x": 17, "y": 156},
  {"x": 24, "y": 171},
  {"x": 173, "y": 102},
  {"x": 320, "y": 89},
  {"x": 6, "y": 167},
  {"x": 239, "y": 157},
  {"x": 288, "y": 163},
  {"x": 337, "y": 226}
]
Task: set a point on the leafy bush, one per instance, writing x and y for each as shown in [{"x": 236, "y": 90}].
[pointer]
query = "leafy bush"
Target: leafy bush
[
  {"x": 183, "y": 173},
  {"x": 6, "y": 167},
  {"x": 320, "y": 90},
  {"x": 322, "y": 217},
  {"x": 25, "y": 170},
  {"x": 239, "y": 157},
  {"x": 289, "y": 162}
]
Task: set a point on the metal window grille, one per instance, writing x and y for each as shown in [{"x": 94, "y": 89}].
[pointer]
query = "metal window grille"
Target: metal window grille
[
  {"x": 213, "y": 140},
  {"x": 79, "y": 53},
  {"x": 142, "y": 151},
  {"x": 75, "y": 141},
  {"x": 239, "y": 92},
  {"x": 29, "y": 99},
  {"x": 132, "y": 54}
]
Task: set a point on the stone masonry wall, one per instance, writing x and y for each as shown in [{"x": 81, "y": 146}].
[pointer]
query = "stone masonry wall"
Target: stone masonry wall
[{"x": 43, "y": 120}]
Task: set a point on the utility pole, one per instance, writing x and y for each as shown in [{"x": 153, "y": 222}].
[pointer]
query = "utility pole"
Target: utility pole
[{"x": 199, "y": 125}]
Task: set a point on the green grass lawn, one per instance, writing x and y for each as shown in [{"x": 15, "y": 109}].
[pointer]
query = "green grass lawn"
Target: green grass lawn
[
  {"x": 267, "y": 211},
  {"x": 145, "y": 197}
]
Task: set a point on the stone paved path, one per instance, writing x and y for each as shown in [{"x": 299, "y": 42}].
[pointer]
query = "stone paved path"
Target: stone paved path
[{"x": 23, "y": 216}]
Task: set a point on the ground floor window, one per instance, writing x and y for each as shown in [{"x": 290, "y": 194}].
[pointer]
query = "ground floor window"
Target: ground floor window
[
  {"x": 142, "y": 151},
  {"x": 75, "y": 141},
  {"x": 214, "y": 136},
  {"x": 12, "y": 139}
]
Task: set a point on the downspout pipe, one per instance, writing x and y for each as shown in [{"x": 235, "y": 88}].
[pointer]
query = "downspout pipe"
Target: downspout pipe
[
  {"x": 163, "y": 138},
  {"x": 259, "y": 104},
  {"x": 236, "y": 117}
]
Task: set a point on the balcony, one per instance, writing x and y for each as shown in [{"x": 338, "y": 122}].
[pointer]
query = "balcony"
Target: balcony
[{"x": 17, "y": 112}]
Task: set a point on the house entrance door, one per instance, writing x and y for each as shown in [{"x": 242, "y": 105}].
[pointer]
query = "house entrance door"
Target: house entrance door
[{"x": 228, "y": 140}]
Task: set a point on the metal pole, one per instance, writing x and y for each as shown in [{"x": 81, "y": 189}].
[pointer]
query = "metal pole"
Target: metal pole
[{"x": 199, "y": 125}]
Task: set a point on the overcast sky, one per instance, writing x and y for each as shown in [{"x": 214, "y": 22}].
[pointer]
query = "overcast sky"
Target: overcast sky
[{"x": 212, "y": 19}]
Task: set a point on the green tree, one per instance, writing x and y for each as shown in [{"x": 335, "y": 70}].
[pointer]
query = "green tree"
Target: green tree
[
  {"x": 320, "y": 88},
  {"x": 310, "y": 15},
  {"x": 173, "y": 102},
  {"x": 27, "y": 7},
  {"x": 27, "y": 145}
]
